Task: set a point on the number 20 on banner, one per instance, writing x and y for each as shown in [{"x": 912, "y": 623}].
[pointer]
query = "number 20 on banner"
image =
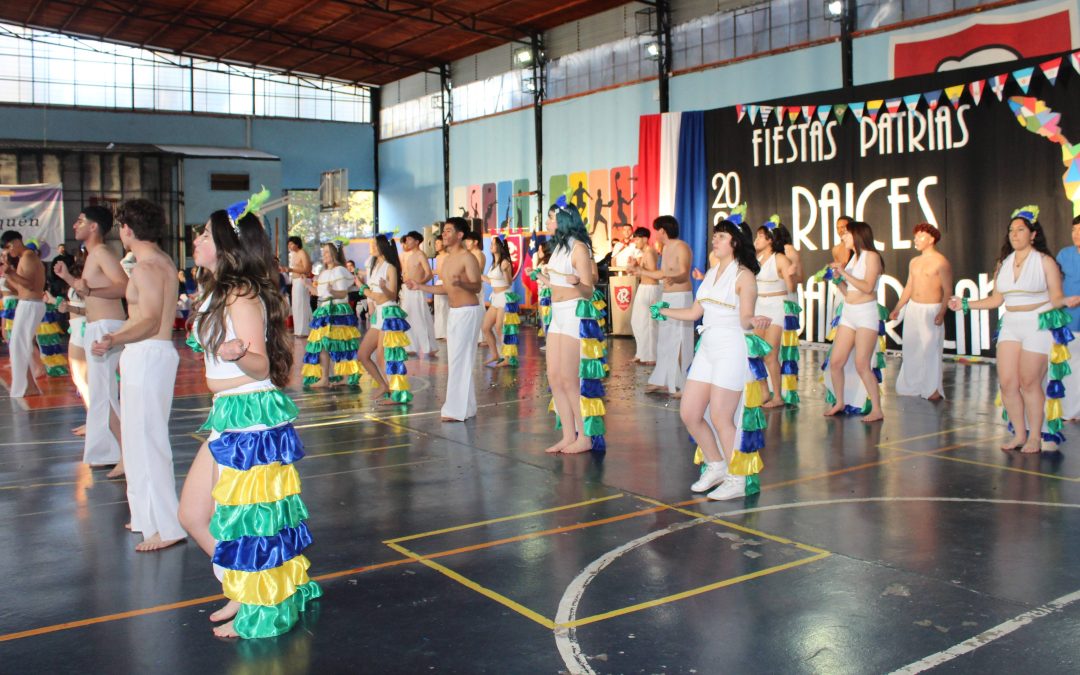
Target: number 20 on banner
[{"x": 728, "y": 191}]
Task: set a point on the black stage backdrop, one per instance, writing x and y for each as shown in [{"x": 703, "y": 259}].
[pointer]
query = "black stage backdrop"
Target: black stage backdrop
[{"x": 966, "y": 174}]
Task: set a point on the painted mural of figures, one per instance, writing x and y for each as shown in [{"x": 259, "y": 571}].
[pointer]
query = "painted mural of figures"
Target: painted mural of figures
[
  {"x": 598, "y": 214},
  {"x": 621, "y": 202},
  {"x": 578, "y": 196}
]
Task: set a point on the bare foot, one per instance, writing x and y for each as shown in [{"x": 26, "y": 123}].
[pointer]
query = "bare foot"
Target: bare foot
[
  {"x": 873, "y": 417},
  {"x": 321, "y": 384},
  {"x": 79, "y": 430},
  {"x": 1015, "y": 443},
  {"x": 378, "y": 393},
  {"x": 936, "y": 396},
  {"x": 1032, "y": 446},
  {"x": 127, "y": 526},
  {"x": 449, "y": 419},
  {"x": 155, "y": 543},
  {"x": 774, "y": 402},
  {"x": 835, "y": 410},
  {"x": 225, "y": 630},
  {"x": 493, "y": 363},
  {"x": 558, "y": 447},
  {"x": 654, "y": 388},
  {"x": 117, "y": 471},
  {"x": 227, "y": 612},
  {"x": 389, "y": 401},
  {"x": 675, "y": 394},
  {"x": 582, "y": 444},
  {"x": 433, "y": 354}
]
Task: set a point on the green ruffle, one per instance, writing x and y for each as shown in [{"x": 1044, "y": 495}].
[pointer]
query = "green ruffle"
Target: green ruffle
[
  {"x": 193, "y": 342},
  {"x": 240, "y": 411},
  {"x": 789, "y": 354},
  {"x": 792, "y": 307},
  {"x": 756, "y": 347},
  {"x": 326, "y": 344},
  {"x": 830, "y": 398},
  {"x": 586, "y": 310},
  {"x": 513, "y": 361},
  {"x": 257, "y": 520},
  {"x": 654, "y": 310},
  {"x": 392, "y": 312},
  {"x": 882, "y": 312},
  {"x": 1054, "y": 318},
  {"x": 1059, "y": 371},
  {"x": 1054, "y": 426},
  {"x": 392, "y": 354},
  {"x": 256, "y": 621},
  {"x": 593, "y": 426},
  {"x": 49, "y": 340},
  {"x": 597, "y": 295},
  {"x": 881, "y": 360},
  {"x": 591, "y": 369},
  {"x": 335, "y": 308},
  {"x": 867, "y": 407},
  {"x": 56, "y": 371},
  {"x": 753, "y": 419},
  {"x": 403, "y": 396},
  {"x": 511, "y": 329},
  {"x": 512, "y": 297},
  {"x": 753, "y": 485},
  {"x": 558, "y": 422},
  {"x": 791, "y": 397}
]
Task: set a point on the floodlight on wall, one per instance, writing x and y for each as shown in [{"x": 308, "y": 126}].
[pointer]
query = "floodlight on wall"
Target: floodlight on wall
[
  {"x": 522, "y": 57},
  {"x": 652, "y": 50},
  {"x": 834, "y": 10},
  {"x": 528, "y": 84},
  {"x": 436, "y": 101}
]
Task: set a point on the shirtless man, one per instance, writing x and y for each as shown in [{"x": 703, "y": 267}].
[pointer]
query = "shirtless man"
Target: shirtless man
[
  {"x": 415, "y": 268},
  {"x": 475, "y": 246},
  {"x": 929, "y": 285},
  {"x": 102, "y": 284},
  {"x": 647, "y": 295},
  {"x": 148, "y": 367},
  {"x": 461, "y": 282},
  {"x": 675, "y": 339},
  {"x": 841, "y": 253},
  {"x": 442, "y": 302},
  {"x": 27, "y": 279},
  {"x": 299, "y": 270}
]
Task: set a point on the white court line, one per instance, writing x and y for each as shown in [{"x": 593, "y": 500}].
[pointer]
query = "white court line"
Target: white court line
[
  {"x": 577, "y": 663},
  {"x": 986, "y": 637}
]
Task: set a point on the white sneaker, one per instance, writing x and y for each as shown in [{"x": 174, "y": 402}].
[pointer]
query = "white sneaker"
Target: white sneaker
[
  {"x": 733, "y": 487},
  {"x": 713, "y": 475}
]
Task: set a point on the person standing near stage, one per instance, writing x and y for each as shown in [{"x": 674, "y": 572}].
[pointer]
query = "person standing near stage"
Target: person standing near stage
[
  {"x": 27, "y": 279},
  {"x": 102, "y": 284},
  {"x": 241, "y": 500},
  {"x": 775, "y": 282},
  {"x": 675, "y": 338},
  {"x": 75, "y": 307},
  {"x": 330, "y": 354},
  {"x": 299, "y": 270},
  {"x": 461, "y": 284},
  {"x": 1069, "y": 260},
  {"x": 648, "y": 294},
  {"x": 441, "y": 300},
  {"x": 148, "y": 367},
  {"x": 415, "y": 268},
  {"x": 474, "y": 244},
  {"x": 500, "y": 275},
  {"x": 382, "y": 289},
  {"x": 928, "y": 286}
]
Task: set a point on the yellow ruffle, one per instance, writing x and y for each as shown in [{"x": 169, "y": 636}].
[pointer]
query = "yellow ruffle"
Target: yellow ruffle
[
  {"x": 398, "y": 382},
  {"x": 1053, "y": 409},
  {"x": 832, "y": 335},
  {"x": 752, "y": 396},
  {"x": 997, "y": 399},
  {"x": 789, "y": 338},
  {"x": 592, "y": 349},
  {"x": 551, "y": 404},
  {"x": 311, "y": 370},
  {"x": 340, "y": 333},
  {"x": 346, "y": 368},
  {"x": 699, "y": 456},
  {"x": 48, "y": 329},
  {"x": 395, "y": 338},
  {"x": 745, "y": 463},
  {"x": 881, "y": 343},
  {"x": 268, "y": 587},
  {"x": 545, "y": 312},
  {"x": 1059, "y": 353},
  {"x": 592, "y": 407},
  {"x": 260, "y": 484},
  {"x": 511, "y": 319},
  {"x": 789, "y": 382},
  {"x": 509, "y": 350},
  {"x": 54, "y": 360}
]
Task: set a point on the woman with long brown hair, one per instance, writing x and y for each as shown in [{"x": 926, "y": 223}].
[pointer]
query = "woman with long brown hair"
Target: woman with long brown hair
[
  {"x": 388, "y": 326},
  {"x": 500, "y": 275},
  {"x": 241, "y": 499}
]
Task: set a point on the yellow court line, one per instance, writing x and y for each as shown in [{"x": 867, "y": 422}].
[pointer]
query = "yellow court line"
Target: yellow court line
[
  {"x": 503, "y": 519},
  {"x": 1028, "y": 472},
  {"x": 692, "y": 592},
  {"x": 472, "y": 585},
  {"x": 436, "y": 412},
  {"x": 936, "y": 433}
]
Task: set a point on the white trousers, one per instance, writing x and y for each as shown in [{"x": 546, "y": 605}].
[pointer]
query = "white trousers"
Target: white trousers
[
  {"x": 301, "y": 308},
  {"x": 674, "y": 346},
  {"x": 442, "y": 306},
  {"x": 104, "y": 393},
  {"x": 921, "y": 370},
  {"x": 1070, "y": 405},
  {"x": 641, "y": 321},
  {"x": 146, "y": 390},
  {"x": 421, "y": 326},
  {"x": 28, "y": 315},
  {"x": 462, "y": 331}
]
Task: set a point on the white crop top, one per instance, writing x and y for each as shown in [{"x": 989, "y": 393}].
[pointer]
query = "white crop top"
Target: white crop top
[
  {"x": 768, "y": 279},
  {"x": 717, "y": 296},
  {"x": 74, "y": 299},
  {"x": 561, "y": 265},
  {"x": 336, "y": 279},
  {"x": 1026, "y": 289},
  {"x": 857, "y": 268},
  {"x": 377, "y": 275},
  {"x": 216, "y": 369},
  {"x": 497, "y": 277}
]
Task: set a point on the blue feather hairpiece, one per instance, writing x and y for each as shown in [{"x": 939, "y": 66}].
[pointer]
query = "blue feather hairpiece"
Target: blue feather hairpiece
[
  {"x": 561, "y": 203},
  {"x": 249, "y": 205},
  {"x": 772, "y": 222}
]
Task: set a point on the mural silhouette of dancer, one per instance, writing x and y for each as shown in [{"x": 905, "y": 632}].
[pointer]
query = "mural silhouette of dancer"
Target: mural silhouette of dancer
[
  {"x": 598, "y": 214},
  {"x": 578, "y": 196},
  {"x": 622, "y": 202}
]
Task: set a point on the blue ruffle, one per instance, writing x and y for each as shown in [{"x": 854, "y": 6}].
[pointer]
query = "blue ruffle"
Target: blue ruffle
[
  {"x": 395, "y": 324},
  {"x": 752, "y": 440},
  {"x": 254, "y": 554},
  {"x": 511, "y": 307},
  {"x": 1063, "y": 335},
  {"x": 343, "y": 356},
  {"x": 1055, "y": 389},
  {"x": 242, "y": 450},
  {"x": 51, "y": 350},
  {"x": 789, "y": 367},
  {"x": 880, "y": 328},
  {"x": 1053, "y": 438},
  {"x": 791, "y": 322},
  {"x": 757, "y": 367},
  {"x": 589, "y": 328},
  {"x": 510, "y": 339},
  {"x": 877, "y": 374},
  {"x": 311, "y": 358},
  {"x": 592, "y": 388},
  {"x": 835, "y": 321},
  {"x": 396, "y": 368},
  {"x": 599, "y": 444}
]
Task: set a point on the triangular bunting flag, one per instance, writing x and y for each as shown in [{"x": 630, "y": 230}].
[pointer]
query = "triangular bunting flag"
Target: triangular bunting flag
[
  {"x": 997, "y": 85},
  {"x": 873, "y": 108},
  {"x": 953, "y": 94},
  {"x": 1050, "y": 69},
  {"x": 932, "y": 98},
  {"x": 766, "y": 110},
  {"x": 808, "y": 112},
  {"x": 893, "y": 105},
  {"x": 793, "y": 113},
  {"x": 840, "y": 109},
  {"x": 1074, "y": 59},
  {"x": 753, "y": 113},
  {"x": 740, "y": 111},
  {"x": 1023, "y": 77},
  {"x": 823, "y": 113},
  {"x": 912, "y": 102},
  {"x": 857, "y": 110},
  {"x": 976, "y": 89}
]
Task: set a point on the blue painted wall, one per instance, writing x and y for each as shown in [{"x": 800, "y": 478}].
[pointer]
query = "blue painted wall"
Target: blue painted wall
[
  {"x": 309, "y": 147},
  {"x": 411, "y": 181},
  {"x": 495, "y": 148},
  {"x": 200, "y": 201}
]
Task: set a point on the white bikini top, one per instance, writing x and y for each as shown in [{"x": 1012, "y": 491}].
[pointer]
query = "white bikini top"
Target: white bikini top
[
  {"x": 74, "y": 299},
  {"x": 216, "y": 369},
  {"x": 336, "y": 279},
  {"x": 497, "y": 277},
  {"x": 1029, "y": 288},
  {"x": 717, "y": 295},
  {"x": 857, "y": 268},
  {"x": 561, "y": 265},
  {"x": 377, "y": 275},
  {"x": 768, "y": 279}
]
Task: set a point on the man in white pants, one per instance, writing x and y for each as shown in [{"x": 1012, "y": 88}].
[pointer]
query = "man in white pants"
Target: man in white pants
[
  {"x": 461, "y": 282},
  {"x": 299, "y": 270},
  {"x": 415, "y": 268},
  {"x": 647, "y": 295},
  {"x": 102, "y": 284},
  {"x": 674, "y": 339},
  {"x": 929, "y": 285},
  {"x": 442, "y": 302},
  {"x": 148, "y": 366},
  {"x": 27, "y": 278}
]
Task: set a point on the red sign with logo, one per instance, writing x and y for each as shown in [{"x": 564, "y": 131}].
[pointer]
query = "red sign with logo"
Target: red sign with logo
[{"x": 623, "y": 295}]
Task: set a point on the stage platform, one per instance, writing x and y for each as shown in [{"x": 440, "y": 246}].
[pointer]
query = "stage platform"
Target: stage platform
[{"x": 463, "y": 548}]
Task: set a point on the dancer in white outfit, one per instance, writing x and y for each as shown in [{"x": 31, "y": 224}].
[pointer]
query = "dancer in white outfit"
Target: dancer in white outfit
[
  {"x": 648, "y": 294},
  {"x": 299, "y": 270},
  {"x": 442, "y": 302},
  {"x": 775, "y": 282},
  {"x": 148, "y": 368},
  {"x": 929, "y": 285},
  {"x": 500, "y": 275},
  {"x": 27, "y": 278},
  {"x": 415, "y": 267}
]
